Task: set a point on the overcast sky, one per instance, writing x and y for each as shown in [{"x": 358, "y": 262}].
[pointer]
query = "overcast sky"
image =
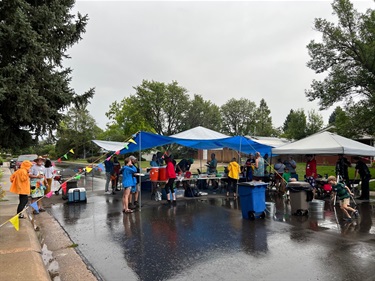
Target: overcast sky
[{"x": 217, "y": 49}]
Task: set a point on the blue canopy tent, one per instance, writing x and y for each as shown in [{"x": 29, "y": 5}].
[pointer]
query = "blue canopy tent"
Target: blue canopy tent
[{"x": 146, "y": 140}]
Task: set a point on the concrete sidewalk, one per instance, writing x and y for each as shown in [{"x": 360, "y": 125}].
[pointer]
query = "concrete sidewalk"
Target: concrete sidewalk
[{"x": 20, "y": 251}]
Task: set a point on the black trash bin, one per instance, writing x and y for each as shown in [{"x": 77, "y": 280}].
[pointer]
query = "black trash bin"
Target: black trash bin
[
  {"x": 301, "y": 193},
  {"x": 69, "y": 185}
]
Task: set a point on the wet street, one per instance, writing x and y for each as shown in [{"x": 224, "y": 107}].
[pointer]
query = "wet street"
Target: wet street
[{"x": 206, "y": 238}]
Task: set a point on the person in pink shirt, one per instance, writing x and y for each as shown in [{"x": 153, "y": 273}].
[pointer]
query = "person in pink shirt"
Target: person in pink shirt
[{"x": 171, "y": 176}]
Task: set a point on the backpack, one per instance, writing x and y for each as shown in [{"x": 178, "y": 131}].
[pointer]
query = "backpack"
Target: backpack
[{"x": 191, "y": 192}]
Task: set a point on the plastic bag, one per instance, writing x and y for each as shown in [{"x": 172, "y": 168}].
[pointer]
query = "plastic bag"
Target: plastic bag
[{"x": 158, "y": 196}]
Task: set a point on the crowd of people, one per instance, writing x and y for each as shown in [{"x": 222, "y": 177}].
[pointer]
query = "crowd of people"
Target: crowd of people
[
  {"x": 32, "y": 179},
  {"x": 35, "y": 179},
  {"x": 283, "y": 171}
]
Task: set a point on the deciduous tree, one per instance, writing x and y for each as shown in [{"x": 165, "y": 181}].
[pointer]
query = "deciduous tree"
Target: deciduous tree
[
  {"x": 314, "y": 122},
  {"x": 346, "y": 54},
  {"x": 77, "y": 130},
  {"x": 126, "y": 119},
  {"x": 343, "y": 124},
  {"x": 202, "y": 113},
  {"x": 238, "y": 117},
  {"x": 163, "y": 106}
]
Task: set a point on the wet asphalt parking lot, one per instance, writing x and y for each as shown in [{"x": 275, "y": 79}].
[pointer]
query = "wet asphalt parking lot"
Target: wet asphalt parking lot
[{"x": 206, "y": 238}]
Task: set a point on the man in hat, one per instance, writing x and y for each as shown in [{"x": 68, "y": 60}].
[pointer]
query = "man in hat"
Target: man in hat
[{"x": 38, "y": 182}]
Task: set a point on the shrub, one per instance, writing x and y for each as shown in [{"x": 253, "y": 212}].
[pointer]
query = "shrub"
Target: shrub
[{"x": 92, "y": 159}]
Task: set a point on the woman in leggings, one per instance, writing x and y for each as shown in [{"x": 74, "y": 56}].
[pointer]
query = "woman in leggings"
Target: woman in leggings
[{"x": 171, "y": 176}]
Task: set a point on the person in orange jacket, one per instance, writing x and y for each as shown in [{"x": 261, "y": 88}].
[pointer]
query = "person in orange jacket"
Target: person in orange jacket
[
  {"x": 21, "y": 185},
  {"x": 234, "y": 170}
]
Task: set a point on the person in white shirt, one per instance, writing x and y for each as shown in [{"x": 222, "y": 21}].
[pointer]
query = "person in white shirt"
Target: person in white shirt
[
  {"x": 279, "y": 170},
  {"x": 49, "y": 171},
  {"x": 38, "y": 183}
]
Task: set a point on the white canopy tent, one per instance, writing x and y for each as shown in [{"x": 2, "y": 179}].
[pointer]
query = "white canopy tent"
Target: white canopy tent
[
  {"x": 271, "y": 141},
  {"x": 110, "y": 145},
  {"x": 326, "y": 143},
  {"x": 199, "y": 133}
]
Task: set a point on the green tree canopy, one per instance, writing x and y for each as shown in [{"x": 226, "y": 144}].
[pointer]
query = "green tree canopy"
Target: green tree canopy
[
  {"x": 298, "y": 126},
  {"x": 126, "y": 120},
  {"x": 155, "y": 106},
  {"x": 163, "y": 106},
  {"x": 343, "y": 124},
  {"x": 202, "y": 113},
  {"x": 76, "y": 131},
  {"x": 347, "y": 55},
  {"x": 263, "y": 120},
  {"x": 314, "y": 122},
  {"x": 238, "y": 117},
  {"x": 295, "y": 125},
  {"x": 34, "y": 85}
]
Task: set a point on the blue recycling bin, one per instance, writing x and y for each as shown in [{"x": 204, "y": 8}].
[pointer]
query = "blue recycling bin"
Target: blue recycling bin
[{"x": 253, "y": 199}]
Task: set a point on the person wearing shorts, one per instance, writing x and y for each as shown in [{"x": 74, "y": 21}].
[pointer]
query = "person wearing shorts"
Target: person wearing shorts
[
  {"x": 134, "y": 192},
  {"x": 343, "y": 192},
  {"x": 258, "y": 174},
  {"x": 128, "y": 182}
]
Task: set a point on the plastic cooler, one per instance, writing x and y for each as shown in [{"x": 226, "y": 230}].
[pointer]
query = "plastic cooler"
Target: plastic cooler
[
  {"x": 253, "y": 199},
  {"x": 163, "y": 173},
  {"x": 77, "y": 195},
  {"x": 154, "y": 174},
  {"x": 299, "y": 199}
]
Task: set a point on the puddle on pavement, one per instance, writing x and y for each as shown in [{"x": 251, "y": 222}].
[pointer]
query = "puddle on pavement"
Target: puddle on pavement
[{"x": 50, "y": 263}]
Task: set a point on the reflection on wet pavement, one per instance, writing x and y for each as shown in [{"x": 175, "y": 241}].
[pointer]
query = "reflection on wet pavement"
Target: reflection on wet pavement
[{"x": 206, "y": 238}]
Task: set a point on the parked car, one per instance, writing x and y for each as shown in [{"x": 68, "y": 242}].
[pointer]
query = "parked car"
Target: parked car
[
  {"x": 21, "y": 158},
  {"x": 12, "y": 163}
]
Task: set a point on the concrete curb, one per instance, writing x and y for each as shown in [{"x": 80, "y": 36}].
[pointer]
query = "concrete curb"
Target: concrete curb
[{"x": 20, "y": 251}]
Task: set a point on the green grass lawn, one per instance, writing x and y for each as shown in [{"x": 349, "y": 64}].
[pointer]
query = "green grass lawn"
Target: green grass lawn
[
  {"x": 330, "y": 170},
  {"x": 322, "y": 170}
]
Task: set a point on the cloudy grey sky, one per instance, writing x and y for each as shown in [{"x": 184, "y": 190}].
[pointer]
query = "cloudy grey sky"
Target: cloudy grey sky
[{"x": 217, "y": 49}]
